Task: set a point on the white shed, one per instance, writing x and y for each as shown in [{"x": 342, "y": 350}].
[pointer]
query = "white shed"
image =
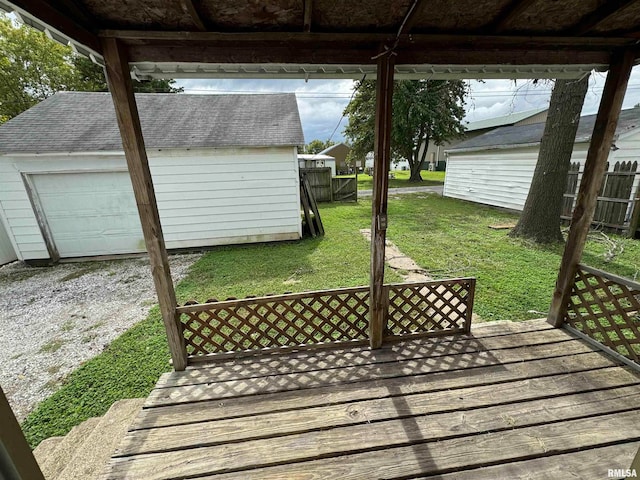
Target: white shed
[
  {"x": 317, "y": 160},
  {"x": 7, "y": 252},
  {"x": 496, "y": 168},
  {"x": 224, "y": 168}
]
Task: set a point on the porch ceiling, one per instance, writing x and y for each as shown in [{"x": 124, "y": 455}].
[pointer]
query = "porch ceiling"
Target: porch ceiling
[{"x": 328, "y": 38}]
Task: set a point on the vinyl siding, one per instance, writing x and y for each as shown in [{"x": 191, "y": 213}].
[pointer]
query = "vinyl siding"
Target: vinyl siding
[
  {"x": 205, "y": 197},
  {"x": 7, "y": 252}
]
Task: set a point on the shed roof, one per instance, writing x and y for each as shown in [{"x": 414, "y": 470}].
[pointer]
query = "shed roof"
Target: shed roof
[
  {"x": 86, "y": 122},
  {"x": 508, "y": 119},
  {"x": 527, "y": 135}
]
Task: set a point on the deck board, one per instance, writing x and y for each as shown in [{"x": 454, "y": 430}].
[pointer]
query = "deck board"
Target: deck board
[{"x": 491, "y": 403}]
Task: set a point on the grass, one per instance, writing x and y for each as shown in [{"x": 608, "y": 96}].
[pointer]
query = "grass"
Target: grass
[
  {"x": 365, "y": 182},
  {"x": 447, "y": 237},
  {"x": 131, "y": 365}
]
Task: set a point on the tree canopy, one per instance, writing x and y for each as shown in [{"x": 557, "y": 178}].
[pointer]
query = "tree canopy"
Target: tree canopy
[
  {"x": 33, "y": 67},
  {"x": 316, "y": 146},
  {"x": 424, "y": 111}
]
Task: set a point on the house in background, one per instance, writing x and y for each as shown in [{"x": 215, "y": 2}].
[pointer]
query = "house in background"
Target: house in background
[
  {"x": 496, "y": 168},
  {"x": 436, "y": 158},
  {"x": 224, "y": 168},
  {"x": 317, "y": 160},
  {"x": 7, "y": 252},
  {"x": 339, "y": 152}
]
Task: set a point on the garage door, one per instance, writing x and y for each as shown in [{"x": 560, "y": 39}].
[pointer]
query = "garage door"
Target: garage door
[{"x": 90, "y": 213}]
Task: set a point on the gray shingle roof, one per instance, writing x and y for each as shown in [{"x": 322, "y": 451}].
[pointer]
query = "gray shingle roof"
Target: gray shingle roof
[
  {"x": 509, "y": 119},
  {"x": 85, "y": 122},
  {"x": 512, "y": 137}
]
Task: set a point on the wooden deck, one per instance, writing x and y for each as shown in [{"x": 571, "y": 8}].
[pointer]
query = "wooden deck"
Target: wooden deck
[{"x": 511, "y": 400}]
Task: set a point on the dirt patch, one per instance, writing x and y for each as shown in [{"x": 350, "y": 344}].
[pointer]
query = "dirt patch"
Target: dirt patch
[{"x": 52, "y": 319}]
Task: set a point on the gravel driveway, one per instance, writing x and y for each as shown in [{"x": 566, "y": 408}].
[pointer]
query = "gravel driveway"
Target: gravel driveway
[{"x": 54, "y": 318}]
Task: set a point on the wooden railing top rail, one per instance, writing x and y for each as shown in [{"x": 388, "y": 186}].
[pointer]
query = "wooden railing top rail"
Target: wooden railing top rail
[{"x": 610, "y": 276}]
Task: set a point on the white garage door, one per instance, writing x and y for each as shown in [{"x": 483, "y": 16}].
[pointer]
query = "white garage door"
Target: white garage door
[{"x": 90, "y": 213}]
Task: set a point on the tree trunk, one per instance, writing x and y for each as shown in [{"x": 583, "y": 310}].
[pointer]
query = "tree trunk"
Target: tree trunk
[
  {"x": 415, "y": 172},
  {"x": 540, "y": 219}
]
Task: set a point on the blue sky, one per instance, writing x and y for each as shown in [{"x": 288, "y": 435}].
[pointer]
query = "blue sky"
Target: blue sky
[{"x": 321, "y": 102}]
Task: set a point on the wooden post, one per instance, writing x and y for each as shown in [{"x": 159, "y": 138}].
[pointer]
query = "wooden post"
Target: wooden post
[
  {"x": 120, "y": 85},
  {"x": 594, "y": 169},
  {"x": 16, "y": 459},
  {"x": 634, "y": 223},
  {"x": 378, "y": 308}
]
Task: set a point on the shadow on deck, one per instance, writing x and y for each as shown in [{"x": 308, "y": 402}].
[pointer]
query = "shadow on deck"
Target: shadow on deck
[{"x": 510, "y": 400}]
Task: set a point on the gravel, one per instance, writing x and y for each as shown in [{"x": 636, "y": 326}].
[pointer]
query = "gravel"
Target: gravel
[{"x": 52, "y": 319}]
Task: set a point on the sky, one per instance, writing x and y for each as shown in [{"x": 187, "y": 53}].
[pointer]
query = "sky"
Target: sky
[{"x": 322, "y": 102}]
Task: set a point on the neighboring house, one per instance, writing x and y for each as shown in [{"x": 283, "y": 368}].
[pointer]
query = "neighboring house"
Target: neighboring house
[
  {"x": 436, "y": 158},
  {"x": 224, "y": 168},
  {"x": 496, "y": 168},
  {"x": 317, "y": 160},
  {"x": 395, "y": 164},
  {"x": 339, "y": 152},
  {"x": 7, "y": 252}
]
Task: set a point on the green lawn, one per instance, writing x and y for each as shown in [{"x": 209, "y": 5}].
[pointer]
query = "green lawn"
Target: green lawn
[
  {"x": 365, "y": 182},
  {"x": 447, "y": 237}
]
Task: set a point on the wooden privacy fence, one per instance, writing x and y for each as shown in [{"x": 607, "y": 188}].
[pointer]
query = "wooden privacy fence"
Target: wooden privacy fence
[
  {"x": 345, "y": 189},
  {"x": 320, "y": 182},
  {"x": 606, "y": 309},
  {"x": 329, "y": 317},
  {"x": 616, "y": 198}
]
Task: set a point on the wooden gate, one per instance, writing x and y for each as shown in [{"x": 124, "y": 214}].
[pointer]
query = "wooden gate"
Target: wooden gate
[
  {"x": 320, "y": 182},
  {"x": 616, "y": 199},
  {"x": 345, "y": 189}
]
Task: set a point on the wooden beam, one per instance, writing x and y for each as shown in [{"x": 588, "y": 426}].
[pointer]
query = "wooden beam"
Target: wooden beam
[
  {"x": 120, "y": 85},
  {"x": 599, "y": 16},
  {"x": 594, "y": 169},
  {"x": 20, "y": 463},
  {"x": 308, "y": 10},
  {"x": 378, "y": 295},
  {"x": 46, "y": 13},
  {"x": 507, "y": 14},
  {"x": 190, "y": 9}
]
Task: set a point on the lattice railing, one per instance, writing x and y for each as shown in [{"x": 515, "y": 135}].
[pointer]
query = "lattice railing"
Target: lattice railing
[
  {"x": 606, "y": 308},
  {"x": 340, "y": 316},
  {"x": 444, "y": 306}
]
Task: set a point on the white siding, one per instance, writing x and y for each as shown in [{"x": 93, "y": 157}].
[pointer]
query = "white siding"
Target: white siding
[
  {"x": 496, "y": 177},
  {"x": 7, "y": 252},
  {"x": 205, "y": 197}
]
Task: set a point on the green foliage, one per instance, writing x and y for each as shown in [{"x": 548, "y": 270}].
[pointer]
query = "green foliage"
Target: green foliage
[
  {"x": 32, "y": 68},
  {"x": 423, "y": 111},
  {"x": 316, "y": 146}
]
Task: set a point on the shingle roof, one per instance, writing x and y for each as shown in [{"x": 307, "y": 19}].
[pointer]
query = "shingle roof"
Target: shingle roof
[
  {"x": 509, "y": 119},
  {"x": 512, "y": 137},
  {"x": 85, "y": 122}
]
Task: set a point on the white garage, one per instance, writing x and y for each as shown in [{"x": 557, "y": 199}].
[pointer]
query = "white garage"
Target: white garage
[
  {"x": 7, "y": 252},
  {"x": 224, "y": 169}
]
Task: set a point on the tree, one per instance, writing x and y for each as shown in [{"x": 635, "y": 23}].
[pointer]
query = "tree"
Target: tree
[
  {"x": 540, "y": 219},
  {"x": 316, "y": 146},
  {"x": 423, "y": 111},
  {"x": 90, "y": 78},
  {"x": 32, "y": 68}
]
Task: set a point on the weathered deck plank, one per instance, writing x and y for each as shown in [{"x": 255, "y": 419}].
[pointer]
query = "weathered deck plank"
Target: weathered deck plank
[
  {"x": 382, "y": 388},
  {"x": 491, "y": 406}
]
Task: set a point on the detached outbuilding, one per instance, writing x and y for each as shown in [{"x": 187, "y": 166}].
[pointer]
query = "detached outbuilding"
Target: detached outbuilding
[
  {"x": 496, "y": 168},
  {"x": 224, "y": 168}
]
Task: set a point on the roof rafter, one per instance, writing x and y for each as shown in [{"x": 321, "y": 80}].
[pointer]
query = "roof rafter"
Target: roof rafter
[
  {"x": 599, "y": 16},
  {"x": 507, "y": 14},
  {"x": 190, "y": 9},
  {"x": 308, "y": 10}
]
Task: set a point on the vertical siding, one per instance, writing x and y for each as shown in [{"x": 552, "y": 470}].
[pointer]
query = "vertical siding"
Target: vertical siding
[{"x": 496, "y": 177}]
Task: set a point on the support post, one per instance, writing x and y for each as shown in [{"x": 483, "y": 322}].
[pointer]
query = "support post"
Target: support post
[
  {"x": 594, "y": 169},
  {"x": 120, "y": 85},
  {"x": 16, "y": 459},
  {"x": 378, "y": 308}
]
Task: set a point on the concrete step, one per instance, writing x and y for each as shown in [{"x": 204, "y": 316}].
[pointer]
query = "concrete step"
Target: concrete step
[
  {"x": 91, "y": 458},
  {"x": 55, "y": 463},
  {"x": 47, "y": 448}
]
